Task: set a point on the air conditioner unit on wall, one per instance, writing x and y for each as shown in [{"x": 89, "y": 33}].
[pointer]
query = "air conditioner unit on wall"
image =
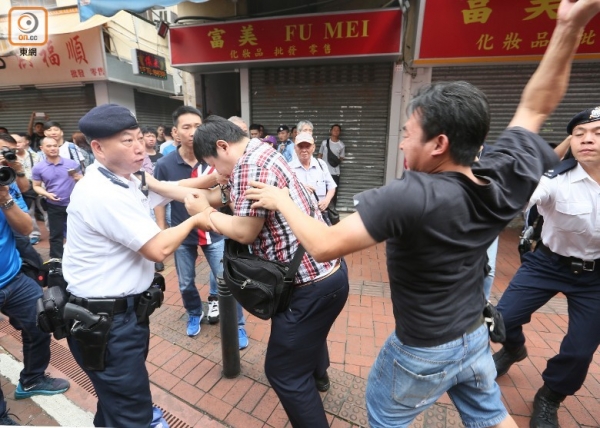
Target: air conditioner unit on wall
[{"x": 165, "y": 15}]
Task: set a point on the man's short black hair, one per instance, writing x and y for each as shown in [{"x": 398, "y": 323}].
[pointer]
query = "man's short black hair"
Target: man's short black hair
[
  {"x": 169, "y": 131},
  {"x": 52, "y": 123},
  {"x": 3, "y": 130},
  {"x": 254, "y": 127},
  {"x": 149, "y": 130},
  {"x": 7, "y": 138},
  {"x": 185, "y": 110},
  {"x": 334, "y": 125},
  {"x": 215, "y": 128},
  {"x": 38, "y": 123},
  {"x": 458, "y": 110}
]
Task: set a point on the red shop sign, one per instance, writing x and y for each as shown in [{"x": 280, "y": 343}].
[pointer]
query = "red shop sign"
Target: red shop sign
[
  {"x": 471, "y": 31},
  {"x": 362, "y": 33}
]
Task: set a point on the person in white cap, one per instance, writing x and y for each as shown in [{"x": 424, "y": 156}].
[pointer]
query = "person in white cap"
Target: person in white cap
[{"x": 313, "y": 172}]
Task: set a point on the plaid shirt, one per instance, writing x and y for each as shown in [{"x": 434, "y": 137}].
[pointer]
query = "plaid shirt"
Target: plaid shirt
[{"x": 260, "y": 162}]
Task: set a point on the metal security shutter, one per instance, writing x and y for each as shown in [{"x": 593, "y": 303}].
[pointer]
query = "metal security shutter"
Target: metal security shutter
[
  {"x": 356, "y": 96},
  {"x": 504, "y": 84},
  {"x": 65, "y": 105},
  {"x": 154, "y": 110}
]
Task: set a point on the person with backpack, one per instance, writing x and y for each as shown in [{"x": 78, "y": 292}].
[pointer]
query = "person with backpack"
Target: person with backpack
[
  {"x": 333, "y": 151},
  {"x": 66, "y": 149}
]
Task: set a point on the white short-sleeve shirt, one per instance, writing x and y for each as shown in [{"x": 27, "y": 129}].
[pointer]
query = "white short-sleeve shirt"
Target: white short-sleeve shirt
[
  {"x": 317, "y": 175},
  {"x": 107, "y": 225},
  {"x": 570, "y": 204}
]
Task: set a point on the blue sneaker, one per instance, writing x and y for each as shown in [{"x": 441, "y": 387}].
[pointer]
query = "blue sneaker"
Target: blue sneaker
[
  {"x": 34, "y": 240},
  {"x": 242, "y": 338},
  {"x": 46, "y": 385},
  {"x": 193, "y": 325}
]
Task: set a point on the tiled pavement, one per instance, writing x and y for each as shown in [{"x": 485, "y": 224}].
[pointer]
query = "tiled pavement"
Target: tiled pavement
[{"x": 186, "y": 377}]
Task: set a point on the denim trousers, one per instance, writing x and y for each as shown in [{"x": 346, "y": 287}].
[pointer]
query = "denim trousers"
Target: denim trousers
[
  {"x": 17, "y": 302},
  {"x": 405, "y": 380},
  {"x": 492, "y": 252},
  {"x": 185, "y": 264},
  {"x": 57, "y": 219}
]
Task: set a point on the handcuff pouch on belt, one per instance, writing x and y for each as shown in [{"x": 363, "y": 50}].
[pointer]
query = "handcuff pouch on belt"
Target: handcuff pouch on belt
[
  {"x": 151, "y": 299},
  {"x": 90, "y": 331}
]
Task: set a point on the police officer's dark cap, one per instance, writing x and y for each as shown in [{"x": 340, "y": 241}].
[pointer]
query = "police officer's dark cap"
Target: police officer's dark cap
[
  {"x": 107, "y": 120},
  {"x": 282, "y": 128},
  {"x": 586, "y": 116}
]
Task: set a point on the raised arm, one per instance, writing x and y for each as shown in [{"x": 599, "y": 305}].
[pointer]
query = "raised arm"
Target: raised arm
[
  {"x": 320, "y": 241},
  {"x": 548, "y": 84}
]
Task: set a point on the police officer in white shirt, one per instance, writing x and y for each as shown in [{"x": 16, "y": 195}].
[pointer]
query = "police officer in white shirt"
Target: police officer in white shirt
[
  {"x": 312, "y": 172},
  {"x": 566, "y": 260},
  {"x": 109, "y": 266}
]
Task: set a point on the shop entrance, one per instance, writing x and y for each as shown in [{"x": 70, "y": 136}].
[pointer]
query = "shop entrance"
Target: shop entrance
[{"x": 221, "y": 94}]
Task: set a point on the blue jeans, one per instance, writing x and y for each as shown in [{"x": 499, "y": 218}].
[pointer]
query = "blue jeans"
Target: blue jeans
[
  {"x": 185, "y": 263},
  {"x": 492, "y": 251},
  {"x": 406, "y": 380},
  {"x": 17, "y": 301}
]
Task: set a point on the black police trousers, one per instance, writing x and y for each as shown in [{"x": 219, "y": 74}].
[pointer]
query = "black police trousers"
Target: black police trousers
[{"x": 540, "y": 278}]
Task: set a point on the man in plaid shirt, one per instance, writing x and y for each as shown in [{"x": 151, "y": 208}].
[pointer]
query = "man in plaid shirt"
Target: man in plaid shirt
[{"x": 297, "y": 356}]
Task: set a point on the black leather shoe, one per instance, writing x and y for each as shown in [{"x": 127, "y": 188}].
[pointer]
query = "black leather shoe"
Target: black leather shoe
[
  {"x": 545, "y": 408},
  {"x": 505, "y": 358},
  {"x": 159, "y": 267},
  {"x": 323, "y": 383}
]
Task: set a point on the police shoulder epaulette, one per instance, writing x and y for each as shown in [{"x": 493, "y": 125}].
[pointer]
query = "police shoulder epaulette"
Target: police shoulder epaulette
[{"x": 561, "y": 168}]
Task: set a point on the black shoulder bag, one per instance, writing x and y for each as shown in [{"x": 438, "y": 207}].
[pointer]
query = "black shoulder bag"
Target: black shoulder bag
[
  {"x": 263, "y": 287},
  {"x": 332, "y": 212},
  {"x": 332, "y": 159}
]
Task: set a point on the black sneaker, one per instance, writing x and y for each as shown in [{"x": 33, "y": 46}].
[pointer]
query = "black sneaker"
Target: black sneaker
[
  {"x": 6, "y": 419},
  {"x": 505, "y": 358},
  {"x": 323, "y": 383},
  {"x": 545, "y": 408},
  {"x": 46, "y": 385}
]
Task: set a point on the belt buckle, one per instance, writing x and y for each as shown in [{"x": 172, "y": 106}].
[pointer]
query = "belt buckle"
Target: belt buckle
[{"x": 589, "y": 265}]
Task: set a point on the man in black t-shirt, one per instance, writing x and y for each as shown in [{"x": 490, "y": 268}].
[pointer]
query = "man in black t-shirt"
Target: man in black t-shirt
[{"x": 438, "y": 221}]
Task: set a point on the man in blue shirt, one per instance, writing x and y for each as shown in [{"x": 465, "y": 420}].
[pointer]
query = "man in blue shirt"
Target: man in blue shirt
[
  {"x": 178, "y": 165},
  {"x": 286, "y": 146},
  {"x": 18, "y": 301}
]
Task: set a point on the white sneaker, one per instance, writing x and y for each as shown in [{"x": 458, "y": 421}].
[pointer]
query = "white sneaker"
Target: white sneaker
[{"x": 213, "y": 309}]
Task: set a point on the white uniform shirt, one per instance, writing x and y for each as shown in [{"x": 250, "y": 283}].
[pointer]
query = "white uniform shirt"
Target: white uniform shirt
[
  {"x": 570, "y": 204},
  {"x": 106, "y": 226},
  {"x": 315, "y": 176}
]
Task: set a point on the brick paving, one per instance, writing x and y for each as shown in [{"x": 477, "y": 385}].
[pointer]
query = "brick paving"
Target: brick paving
[{"x": 187, "y": 382}]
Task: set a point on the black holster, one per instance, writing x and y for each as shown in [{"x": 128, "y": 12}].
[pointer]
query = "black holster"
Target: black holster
[{"x": 90, "y": 332}]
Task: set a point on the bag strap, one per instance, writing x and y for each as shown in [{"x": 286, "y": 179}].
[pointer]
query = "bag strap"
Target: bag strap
[
  {"x": 321, "y": 166},
  {"x": 295, "y": 264},
  {"x": 297, "y": 259}
]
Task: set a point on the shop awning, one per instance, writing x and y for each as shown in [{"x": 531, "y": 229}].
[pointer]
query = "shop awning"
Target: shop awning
[{"x": 89, "y": 8}]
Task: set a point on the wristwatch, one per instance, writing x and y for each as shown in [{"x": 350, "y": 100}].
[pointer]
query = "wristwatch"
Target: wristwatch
[{"x": 7, "y": 205}]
